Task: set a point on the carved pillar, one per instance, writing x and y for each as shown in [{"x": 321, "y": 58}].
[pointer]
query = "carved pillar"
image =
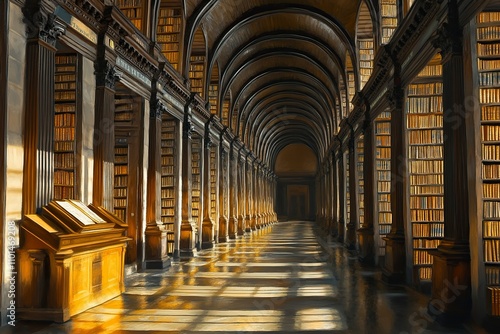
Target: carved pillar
[
  {"x": 365, "y": 232},
  {"x": 353, "y": 193},
  {"x": 233, "y": 188},
  {"x": 328, "y": 195},
  {"x": 335, "y": 205},
  {"x": 342, "y": 210},
  {"x": 188, "y": 227},
  {"x": 451, "y": 264},
  {"x": 248, "y": 194},
  {"x": 223, "y": 192},
  {"x": 255, "y": 225},
  {"x": 207, "y": 232},
  {"x": 241, "y": 194},
  {"x": 395, "y": 252},
  {"x": 38, "y": 179},
  {"x": 156, "y": 234},
  {"x": 104, "y": 137}
]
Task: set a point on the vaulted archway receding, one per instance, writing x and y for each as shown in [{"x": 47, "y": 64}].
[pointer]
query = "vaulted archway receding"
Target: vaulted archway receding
[{"x": 296, "y": 165}]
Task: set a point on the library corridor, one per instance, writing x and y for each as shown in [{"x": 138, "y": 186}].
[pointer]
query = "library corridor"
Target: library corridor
[
  {"x": 281, "y": 279},
  {"x": 250, "y": 165}
]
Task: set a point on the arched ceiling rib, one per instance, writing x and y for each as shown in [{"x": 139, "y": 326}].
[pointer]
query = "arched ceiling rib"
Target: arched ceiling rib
[{"x": 282, "y": 61}]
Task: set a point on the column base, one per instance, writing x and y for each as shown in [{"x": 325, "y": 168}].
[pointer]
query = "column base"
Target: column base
[
  {"x": 222, "y": 237},
  {"x": 366, "y": 246},
  {"x": 156, "y": 256},
  {"x": 393, "y": 271},
  {"x": 207, "y": 233},
  {"x": 187, "y": 246},
  {"x": 451, "y": 283},
  {"x": 241, "y": 224},
  {"x": 351, "y": 236},
  {"x": 233, "y": 227}
]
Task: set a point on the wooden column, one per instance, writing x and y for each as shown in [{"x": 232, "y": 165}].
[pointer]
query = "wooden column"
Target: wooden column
[
  {"x": 395, "y": 251},
  {"x": 335, "y": 218},
  {"x": 341, "y": 220},
  {"x": 188, "y": 227},
  {"x": 155, "y": 234},
  {"x": 241, "y": 193},
  {"x": 233, "y": 188},
  {"x": 451, "y": 266},
  {"x": 248, "y": 194},
  {"x": 255, "y": 200},
  {"x": 38, "y": 178},
  {"x": 353, "y": 193},
  {"x": 365, "y": 232},
  {"x": 104, "y": 136},
  {"x": 223, "y": 192},
  {"x": 207, "y": 233}
]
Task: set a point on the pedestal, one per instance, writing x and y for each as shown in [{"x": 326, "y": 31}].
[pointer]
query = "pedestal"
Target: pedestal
[
  {"x": 393, "y": 271},
  {"x": 156, "y": 249},
  {"x": 366, "y": 246}
]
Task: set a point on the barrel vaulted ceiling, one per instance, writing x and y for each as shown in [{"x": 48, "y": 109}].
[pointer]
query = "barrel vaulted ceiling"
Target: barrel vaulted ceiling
[{"x": 282, "y": 63}]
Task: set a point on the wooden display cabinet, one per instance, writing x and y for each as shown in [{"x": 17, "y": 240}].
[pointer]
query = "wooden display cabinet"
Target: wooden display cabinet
[{"x": 71, "y": 259}]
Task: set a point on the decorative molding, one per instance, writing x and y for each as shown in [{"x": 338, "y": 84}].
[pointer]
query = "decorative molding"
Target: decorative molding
[
  {"x": 41, "y": 24},
  {"x": 156, "y": 109},
  {"x": 106, "y": 74}
]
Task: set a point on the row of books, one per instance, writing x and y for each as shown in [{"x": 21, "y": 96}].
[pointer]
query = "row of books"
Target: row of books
[
  {"x": 121, "y": 181},
  {"x": 64, "y": 178},
  {"x": 424, "y": 105},
  {"x": 120, "y": 169},
  {"x": 426, "y": 152},
  {"x": 423, "y": 121},
  {"x": 361, "y": 187},
  {"x": 426, "y": 190},
  {"x": 425, "y": 243},
  {"x": 490, "y": 113},
  {"x": 490, "y": 132},
  {"x": 426, "y": 215},
  {"x": 64, "y": 95},
  {"x": 492, "y": 250},
  {"x": 170, "y": 12},
  {"x": 60, "y": 69},
  {"x": 493, "y": 297},
  {"x": 431, "y": 71},
  {"x": 64, "y": 146},
  {"x": 487, "y": 17},
  {"x": 490, "y": 152},
  {"x": 491, "y": 229},
  {"x": 425, "y": 273},
  {"x": 419, "y": 89},
  {"x": 132, "y": 13},
  {"x": 491, "y": 190},
  {"x": 491, "y": 210},
  {"x": 421, "y": 257},
  {"x": 167, "y": 202},
  {"x": 168, "y": 192},
  {"x": 426, "y": 167},
  {"x": 64, "y": 160},
  {"x": 493, "y": 275},
  {"x": 213, "y": 181},
  {"x": 490, "y": 172},
  {"x": 63, "y": 192},
  {"x": 488, "y": 33},
  {"x": 64, "y": 85},
  {"x": 120, "y": 202},
  {"x": 426, "y": 136},
  {"x": 427, "y": 202},
  {"x": 428, "y": 230},
  {"x": 120, "y": 192},
  {"x": 383, "y": 175},
  {"x": 167, "y": 181},
  {"x": 65, "y": 59},
  {"x": 64, "y": 120}
]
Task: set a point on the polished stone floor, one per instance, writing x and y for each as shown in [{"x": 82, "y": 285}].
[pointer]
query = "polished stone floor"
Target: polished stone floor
[{"x": 275, "y": 280}]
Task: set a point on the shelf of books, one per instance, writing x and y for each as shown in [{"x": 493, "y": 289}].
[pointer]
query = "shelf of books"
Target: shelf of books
[
  {"x": 383, "y": 175},
  {"x": 196, "y": 74},
  {"x": 389, "y": 15},
  {"x": 351, "y": 85},
  {"x": 196, "y": 152},
  {"x": 424, "y": 119},
  {"x": 168, "y": 163},
  {"x": 65, "y": 120},
  {"x": 488, "y": 51},
  {"x": 133, "y": 9},
  {"x": 343, "y": 100},
  {"x": 121, "y": 179},
  {"x": 213, "y": 95},
  {"x": 213, "y": 181},
  {"x": 366, "y": 55},
  {"x": 360, "y": 182},
  {"x": 225, "y": 111},
  {"x": 168, "y": 34}
]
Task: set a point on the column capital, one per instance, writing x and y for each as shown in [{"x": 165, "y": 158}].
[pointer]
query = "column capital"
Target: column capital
[
  {"x": 156, "y": 108},
  {"x": 106, "y": 73},
  {"x": 449, "y": 36},
  {"x": 41, "y": 23}
]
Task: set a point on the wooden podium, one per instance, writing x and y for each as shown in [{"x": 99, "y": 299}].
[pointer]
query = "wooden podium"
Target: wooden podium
[{"x": 71, "y": 259}]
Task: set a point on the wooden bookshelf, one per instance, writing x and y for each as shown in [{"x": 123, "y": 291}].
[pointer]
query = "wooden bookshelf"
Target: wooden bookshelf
[
  {"x": 360, "y": 181},
  {"x": 197, "y": 73},
  {"x": 488, "y": 51},
  {"x": 133, "y": 9},
  {"x": 213, "y": 181},
  {"x": 389, "y": 19},
  {"x": 225, "y": 112},
  {"x": 121, "y": 169},
  {"x": 366, "y": 54},
  {"x": 351, "y": 86},
  {"x": 383, "y": 177},
  {"x": 168, "y": 34},
  {"x": 168, "y": 166},
  {"x": 65, "y": 121},
  {"x": 213, "y": 95},
  {"x": 196, "y": 152},
  {"x": 125, "y": 110},
  {"x": 424, "y": 119}
]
